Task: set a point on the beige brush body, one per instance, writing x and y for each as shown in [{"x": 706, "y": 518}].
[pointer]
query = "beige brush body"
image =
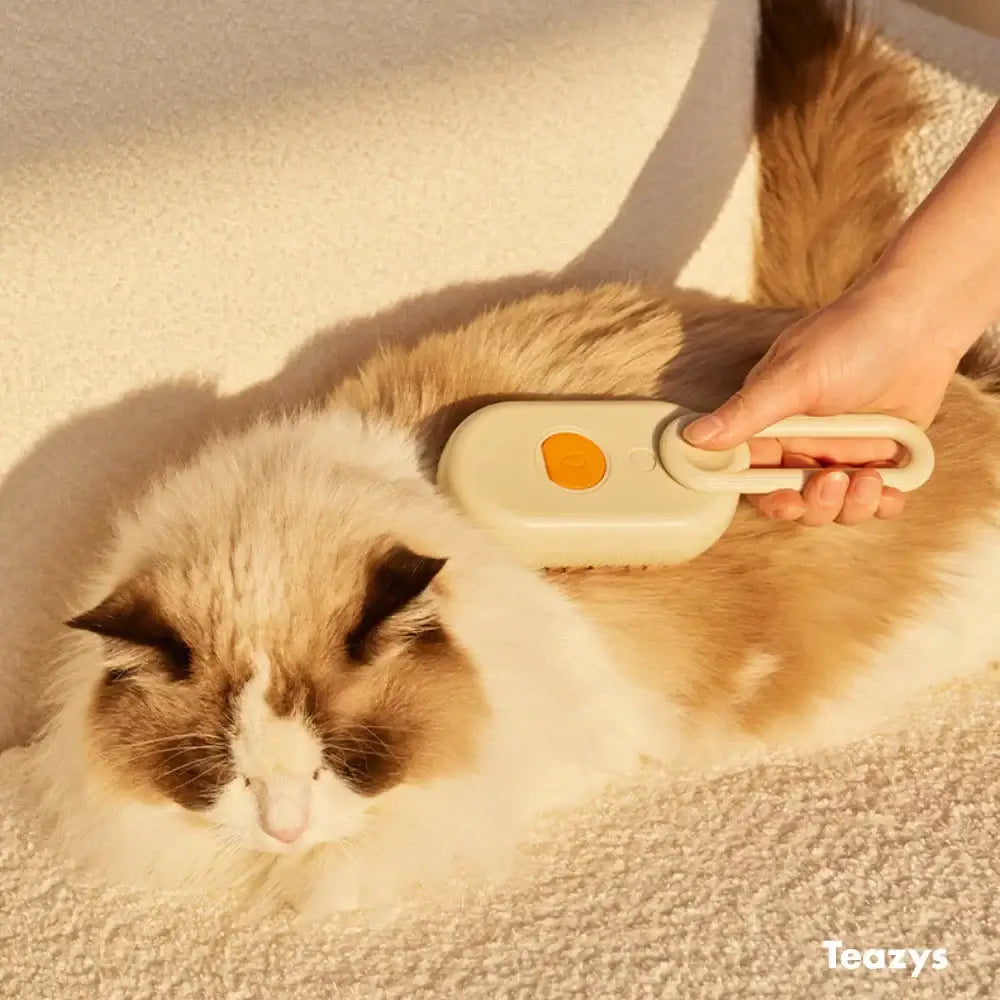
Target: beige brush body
[{"x": 614, "y": 483}]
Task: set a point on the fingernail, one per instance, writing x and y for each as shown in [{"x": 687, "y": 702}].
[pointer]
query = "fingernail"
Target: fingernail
[
  {"x": 831, "y": 490},
  {"x": 868, "y": 489},
  {"x": 703, "y": 430},
  {"x": 786, "y": 513}
]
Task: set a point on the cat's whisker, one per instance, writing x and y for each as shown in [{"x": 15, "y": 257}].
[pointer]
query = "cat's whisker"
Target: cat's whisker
[
  {"x": 348, "y": 852},
  {"x": 197, "y": 766},
  {"x": 216, "y": 737},
  {"x": 165, "y": 756},
  {"x": 380, "y": 753}
]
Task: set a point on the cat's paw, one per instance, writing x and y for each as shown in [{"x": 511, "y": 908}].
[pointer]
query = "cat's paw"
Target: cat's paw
[
  {"x": 322, "y": 888},
  {"x": 339, "y": 890},
  {"x": 325, "y": 891}
]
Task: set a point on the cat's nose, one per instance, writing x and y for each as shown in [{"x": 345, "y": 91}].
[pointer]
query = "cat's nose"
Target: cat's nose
[
  {"x": 286, "y": 834},
  {"x": 283, "y": 809}
]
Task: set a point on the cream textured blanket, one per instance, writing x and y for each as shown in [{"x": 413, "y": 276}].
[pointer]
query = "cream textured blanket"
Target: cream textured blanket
[{"x": 201, "y": 188}]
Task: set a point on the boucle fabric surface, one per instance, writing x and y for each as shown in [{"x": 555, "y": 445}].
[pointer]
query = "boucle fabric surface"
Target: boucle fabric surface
[{"x": 193, "y": 234}]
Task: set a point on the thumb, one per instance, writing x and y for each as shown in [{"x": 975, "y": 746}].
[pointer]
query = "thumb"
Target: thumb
[{"x": 757, "y": 405}]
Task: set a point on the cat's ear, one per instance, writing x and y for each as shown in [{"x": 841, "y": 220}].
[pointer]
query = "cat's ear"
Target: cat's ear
[
  {"x": 395, "y": 580},
  {"x": 130, "y": 615}
]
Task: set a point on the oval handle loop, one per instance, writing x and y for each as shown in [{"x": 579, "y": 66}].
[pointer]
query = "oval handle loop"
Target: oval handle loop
[{"x": 729, "y": 471}]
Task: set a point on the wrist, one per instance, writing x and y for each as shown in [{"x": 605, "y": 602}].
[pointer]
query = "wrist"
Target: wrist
[{"x": 929, "y": 314}]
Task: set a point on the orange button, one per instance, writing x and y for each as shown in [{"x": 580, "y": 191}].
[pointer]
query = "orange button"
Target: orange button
[{"x": 573, "y": 461}]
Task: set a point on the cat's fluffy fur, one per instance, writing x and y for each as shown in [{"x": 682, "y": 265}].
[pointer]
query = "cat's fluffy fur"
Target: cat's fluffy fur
[{"x": 297, "y": 634}]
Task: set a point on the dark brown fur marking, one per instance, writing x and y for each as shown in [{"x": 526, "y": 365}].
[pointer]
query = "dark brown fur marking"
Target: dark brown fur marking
[
  {"x": 172, "y": 739},
  {"x": 130, "y": 616},
  {"x": 395, "y": 580},
  {"x": 369, "y": 755}
]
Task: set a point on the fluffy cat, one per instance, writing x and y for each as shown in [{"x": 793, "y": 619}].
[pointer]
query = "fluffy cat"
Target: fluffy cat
[{"x": 300, "y": 671}]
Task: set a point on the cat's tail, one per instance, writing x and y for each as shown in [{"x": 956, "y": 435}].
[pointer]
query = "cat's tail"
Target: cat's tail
[{"x": 833, "y": 106}]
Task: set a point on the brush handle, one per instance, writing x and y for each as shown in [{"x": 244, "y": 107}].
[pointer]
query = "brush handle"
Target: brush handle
[{"x": 713, "y": 472}]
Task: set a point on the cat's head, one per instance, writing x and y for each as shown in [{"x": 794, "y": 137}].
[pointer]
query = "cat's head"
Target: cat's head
[{"x": 272, "y": 649}]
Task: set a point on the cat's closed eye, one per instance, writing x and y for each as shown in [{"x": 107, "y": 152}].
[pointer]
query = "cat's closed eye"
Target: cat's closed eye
[
  {"x": 396, "y": 580},
  {"x": 128, "y": 617}
]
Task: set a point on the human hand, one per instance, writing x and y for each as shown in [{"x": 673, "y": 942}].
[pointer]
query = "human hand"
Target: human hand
[{"x": 863, "y": 353}]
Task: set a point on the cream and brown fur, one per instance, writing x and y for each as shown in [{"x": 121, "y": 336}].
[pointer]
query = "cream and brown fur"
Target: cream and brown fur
[{"x": 301, "y": 672}]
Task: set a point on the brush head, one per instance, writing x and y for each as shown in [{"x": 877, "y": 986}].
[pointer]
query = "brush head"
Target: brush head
[{"x": 570, "y": 483}]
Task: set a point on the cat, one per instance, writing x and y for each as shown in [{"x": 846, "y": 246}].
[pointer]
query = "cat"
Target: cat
[{"x": 300, "y": 673}]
